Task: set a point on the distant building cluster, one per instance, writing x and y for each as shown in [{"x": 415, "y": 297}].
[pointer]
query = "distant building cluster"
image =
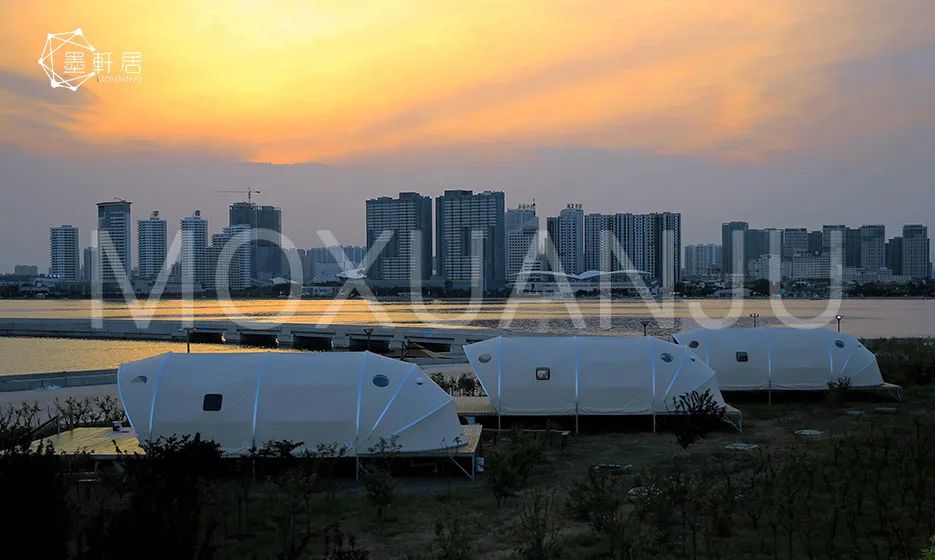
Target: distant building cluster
[
  {"x": 479, "y": 242},
  {"x": 864, "y": 254},
  {"x": 467, "y": 240}
]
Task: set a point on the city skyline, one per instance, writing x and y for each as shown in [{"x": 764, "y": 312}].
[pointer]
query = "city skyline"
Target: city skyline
[
  {"x": 788, "y": 113},
  {"x": 868, "y": 248}
]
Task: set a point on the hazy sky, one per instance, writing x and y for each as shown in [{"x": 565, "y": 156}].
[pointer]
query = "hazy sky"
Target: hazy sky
[{"x": 787, "y": 113}]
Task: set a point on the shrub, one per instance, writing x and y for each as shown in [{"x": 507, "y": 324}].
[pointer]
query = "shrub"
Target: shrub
[
  {"x": 452, "y": 541},
  {"x": 929, "y": 552},
  {"x": 697, "y": 414},
  {"x": 342, "y": 546},
  {"x": 905, "y": 361},
  {"x": 595, "y": 498},
  {"x": 539, "y": 526},
  {"x": 838, "y": 390}
]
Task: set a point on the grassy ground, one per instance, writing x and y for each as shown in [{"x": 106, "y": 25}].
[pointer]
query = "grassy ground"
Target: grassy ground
[{"x": 491, "y": 532}]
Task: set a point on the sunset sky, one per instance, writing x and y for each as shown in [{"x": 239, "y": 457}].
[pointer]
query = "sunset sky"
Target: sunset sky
[{"x": 787, "y": 113}]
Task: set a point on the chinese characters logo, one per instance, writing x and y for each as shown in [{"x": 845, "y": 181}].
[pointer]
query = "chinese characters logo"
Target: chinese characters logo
[{"x": 69, "y": 60}]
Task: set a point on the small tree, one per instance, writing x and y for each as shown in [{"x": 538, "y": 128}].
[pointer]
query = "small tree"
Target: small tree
[
  {"x": 502, "y": 475},
  {"x": 378, "y": 480}
]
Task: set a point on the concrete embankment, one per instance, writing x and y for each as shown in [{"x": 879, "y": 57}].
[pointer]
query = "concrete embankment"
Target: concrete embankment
[{"x": 57, "y": 380}]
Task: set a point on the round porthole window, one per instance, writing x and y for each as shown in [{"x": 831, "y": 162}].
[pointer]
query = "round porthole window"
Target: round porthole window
[
  {"x": 419, "y": 381},
  {"x": 693, "y": 344},
  {"x": 666, "y": 357},
  {"x": 139, "y": 379},
  {"x": 381, "y": 380},
  {"x": 483, "y": 358},
  {"x": 839, "y": 343}
]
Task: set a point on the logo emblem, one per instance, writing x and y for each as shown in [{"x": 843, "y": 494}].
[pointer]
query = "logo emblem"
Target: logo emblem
[{"x": 65, "y": 59}]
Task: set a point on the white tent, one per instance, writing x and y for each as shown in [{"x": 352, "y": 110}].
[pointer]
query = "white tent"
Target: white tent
[
  {"x": 571, "y": 375},
  {"x": 241, "y": 400},
  {"x": 782, "y": 358}
]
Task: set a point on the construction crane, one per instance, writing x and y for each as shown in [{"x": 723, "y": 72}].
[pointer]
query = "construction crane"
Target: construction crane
[{"x": 249, "y": 192}]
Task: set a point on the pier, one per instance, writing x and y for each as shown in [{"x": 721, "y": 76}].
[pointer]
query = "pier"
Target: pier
[{"x": 304, "y": 336}]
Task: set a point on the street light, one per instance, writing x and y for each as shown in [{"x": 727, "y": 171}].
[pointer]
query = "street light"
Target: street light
[
  {"x": 839, "y": 317},
  {"x": 188, "y": 340},
  {"x": 368, "y": 332},
  {"x": 754, "y": 316},
  {"x": 645, "y": 324}
]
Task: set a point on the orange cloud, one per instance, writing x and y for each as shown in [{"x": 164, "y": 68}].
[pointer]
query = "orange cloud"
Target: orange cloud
[{"x": 326, "y": 81}]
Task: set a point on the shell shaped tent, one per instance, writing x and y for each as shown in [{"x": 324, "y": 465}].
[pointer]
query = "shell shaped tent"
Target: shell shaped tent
[
  {"x": 786, "y": 359},
  {"x": 241, "y": 400},
  {"x": 557, "y": 375}
]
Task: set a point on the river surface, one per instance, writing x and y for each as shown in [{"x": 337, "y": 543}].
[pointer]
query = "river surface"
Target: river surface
[{"x": 862, "y": 317}]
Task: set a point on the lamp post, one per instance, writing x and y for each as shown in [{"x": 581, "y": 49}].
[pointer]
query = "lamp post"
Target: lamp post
[
  {"x": 839, "y": 317},
  {"x": 754, "y": 316},
  {"x": 368, "y": 332},
  {"x": 188, "y": 340},
  {"x": 645, "y": 324}
]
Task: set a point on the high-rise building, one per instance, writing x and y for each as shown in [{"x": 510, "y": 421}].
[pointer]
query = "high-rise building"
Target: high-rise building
[
  {"x": 794, "y": 242},
  {"x": 193, "y": 260},
  {"x": 89, "y": 260},
  {"x": 232, "y": 242},
  {"x": 265, "y": 248},
  {"x": 522, "y": 232},
  {"x": 731, "y": 266},
  {"x": 702, "y": 260},
  {"x": 832, "y": 233},
  {"x": 597, "y": 236},
  {"x": 872, "y": 247},
  {"x": 113, "y": 241},
  {"x": 63, "y": 250},
  {"x": 852, "y": 248},
  {"x": 622, "y": 249},
  {"x": 668, "y": 250},
  {"x": 916, "y": 252},
  {"x": 407, "y": 220},
  {"x": 566, "y": 240},
  {"x": 815, "y": 239},
  {"x": 470, "y": 238},
  {"x": 894, "y": 255},
  {"x": 151, "y": 246}
]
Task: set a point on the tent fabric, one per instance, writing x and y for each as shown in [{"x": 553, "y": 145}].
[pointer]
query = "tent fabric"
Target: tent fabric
[
  {"x": 746, "y": 359},
  {"x": 242, "y": 400},
  {"x": 560, "y": 375}
]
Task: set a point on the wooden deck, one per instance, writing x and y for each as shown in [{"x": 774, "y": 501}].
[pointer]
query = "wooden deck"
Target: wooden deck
[
  {"x": 99, "y": 443},
  {"x": 474, "y": 406}
]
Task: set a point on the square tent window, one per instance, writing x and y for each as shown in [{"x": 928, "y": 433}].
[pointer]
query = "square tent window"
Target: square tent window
[
  {"x": 212, "y": 402},
  {"x": 742, "y": 357},
  {"x": 543, "y": 374}
]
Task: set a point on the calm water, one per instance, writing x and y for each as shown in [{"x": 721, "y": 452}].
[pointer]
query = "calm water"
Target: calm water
[{"x": 866, "y": 318}]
